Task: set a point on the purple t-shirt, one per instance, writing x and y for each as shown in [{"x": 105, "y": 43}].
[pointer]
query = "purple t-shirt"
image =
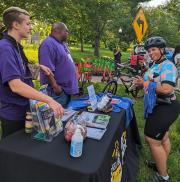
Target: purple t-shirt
[
  {"x": 12, "y": 105},
  {"x": 55, "y": 55}
]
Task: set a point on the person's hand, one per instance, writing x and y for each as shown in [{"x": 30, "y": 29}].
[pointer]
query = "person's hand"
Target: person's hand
[
  {"x": 178, "y": 62},
  {"x": 141, "y": 62},
  {"x": 58, "y": 90},
  {"x": 56, "y": 107},
  {"x": 138, "y": 81},
  {"x": 46, "y": 70}
]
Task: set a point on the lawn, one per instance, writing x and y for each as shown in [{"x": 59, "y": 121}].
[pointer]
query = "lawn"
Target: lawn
[
  {"x": 144, "y": 172},
  {"x": 174, "y": 159},
  {"x": 32, "y": 53}
]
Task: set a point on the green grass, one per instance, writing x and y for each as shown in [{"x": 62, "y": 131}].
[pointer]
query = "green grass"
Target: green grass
[
  {"x": 144, "y": 172},
  {"x": 174, "y": 158},
  {"x": 88, "y": 52},
  {"x": 32, "y": 53}
]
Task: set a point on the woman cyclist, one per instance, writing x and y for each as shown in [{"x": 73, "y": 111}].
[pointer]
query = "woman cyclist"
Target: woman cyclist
[{"x": 164, "y": 73}]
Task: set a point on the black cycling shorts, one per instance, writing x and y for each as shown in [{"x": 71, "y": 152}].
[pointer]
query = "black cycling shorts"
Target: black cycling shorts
[{"x": 158, "y": 123}]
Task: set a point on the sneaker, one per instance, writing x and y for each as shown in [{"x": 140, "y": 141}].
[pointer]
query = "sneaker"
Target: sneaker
[
  {"x": 151, "y": 164},
  {"x": 157, "y": 178}
]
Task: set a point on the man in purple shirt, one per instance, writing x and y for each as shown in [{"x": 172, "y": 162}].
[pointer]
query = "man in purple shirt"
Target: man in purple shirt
[
  {"x": 15, "y": 77},
  {"x": 54, "y": 54}
]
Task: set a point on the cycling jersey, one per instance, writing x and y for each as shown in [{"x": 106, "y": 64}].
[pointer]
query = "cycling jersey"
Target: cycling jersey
[{"x": 165, "y": 71}]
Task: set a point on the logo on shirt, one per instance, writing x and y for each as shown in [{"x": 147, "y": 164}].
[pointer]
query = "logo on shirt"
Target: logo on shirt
[{"x": 158, "y": 135}]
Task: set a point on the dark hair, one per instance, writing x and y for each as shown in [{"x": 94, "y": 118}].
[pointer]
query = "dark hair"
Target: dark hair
[
  {"x": 13, "y": 14},
  {"x": 176, "y": 51},
  {"x": 115, "y": 50}
]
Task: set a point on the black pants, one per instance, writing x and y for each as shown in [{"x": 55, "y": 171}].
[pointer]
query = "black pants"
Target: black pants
[{"x": 9, "y": 127}]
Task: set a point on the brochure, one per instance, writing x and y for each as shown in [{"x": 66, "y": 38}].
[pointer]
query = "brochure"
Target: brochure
[
  {"x": 92, "y": 97},
  {"x": 95, "y": 120},
  {"x": 95, "y": 133},
  {"x": 96, "y": 124},
  {"x": 68, "y": 113}
]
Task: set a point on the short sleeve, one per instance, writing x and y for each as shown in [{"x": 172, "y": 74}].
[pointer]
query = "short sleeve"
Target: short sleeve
[
  {"x": 168, "y": 74},
  {"x": 176, "y": 58},
  {"x": 46, "y": 56},
  {"x": 9, "y": 68}
]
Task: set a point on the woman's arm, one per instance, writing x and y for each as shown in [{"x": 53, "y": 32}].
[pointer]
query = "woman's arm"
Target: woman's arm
[
  {"x": 22, "y": 89},
  {"x": 162, "y": 88}
]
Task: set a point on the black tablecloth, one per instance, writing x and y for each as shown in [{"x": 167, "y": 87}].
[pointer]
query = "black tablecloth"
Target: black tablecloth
[{"x": 25, "y": 160}]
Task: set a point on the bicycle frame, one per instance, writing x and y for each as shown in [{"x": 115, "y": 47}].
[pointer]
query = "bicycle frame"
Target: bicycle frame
[{"x": 127, "y": 82}]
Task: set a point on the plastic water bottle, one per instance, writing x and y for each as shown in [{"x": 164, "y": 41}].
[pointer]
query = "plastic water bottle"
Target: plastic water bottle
[
  {"x": 104, "y": 101},
  {"x": 76, "y": 144}
]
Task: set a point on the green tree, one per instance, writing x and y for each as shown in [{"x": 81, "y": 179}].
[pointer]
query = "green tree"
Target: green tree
[
  {"x": 90, "y": 20},
  {"x": 77, "y": 21},
  {"x": 164, "y": 21},
  {"x": 117, "y": 12}
]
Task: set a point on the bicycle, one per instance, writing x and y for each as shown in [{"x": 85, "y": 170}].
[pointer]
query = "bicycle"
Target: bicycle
[
  {"x": 126, "y": 79},
  {"x": 85, "y": 75}
]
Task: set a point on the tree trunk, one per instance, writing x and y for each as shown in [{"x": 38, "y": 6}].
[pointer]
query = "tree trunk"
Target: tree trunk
[
  {"x": 98, "y": 33},
  {"x": 96, "y": 46},
  {"x": 81, "y": 41},
  {"x": 82, "y": 45}
]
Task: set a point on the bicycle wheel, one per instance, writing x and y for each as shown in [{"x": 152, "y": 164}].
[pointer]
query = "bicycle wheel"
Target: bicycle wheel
[{"x": 110, "y": 87}]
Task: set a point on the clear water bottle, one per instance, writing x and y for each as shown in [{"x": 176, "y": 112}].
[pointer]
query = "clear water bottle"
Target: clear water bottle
[
  {"x": 104, "y": 101},
  {"x": 76, "y": 144}
]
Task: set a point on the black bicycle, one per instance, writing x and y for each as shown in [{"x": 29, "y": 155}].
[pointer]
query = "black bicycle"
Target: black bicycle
[{"x": 125, "y": 74}]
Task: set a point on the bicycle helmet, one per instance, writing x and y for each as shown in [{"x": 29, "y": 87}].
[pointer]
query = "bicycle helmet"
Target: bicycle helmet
[{"x": 155, "y": 42}]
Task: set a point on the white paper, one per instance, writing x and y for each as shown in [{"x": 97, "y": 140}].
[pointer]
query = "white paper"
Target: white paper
[
  {"x": 92, "y": 121},
  {"x": 68, "y": 113},
  {"x": 95, "y": 133},
  {"x": 92, "y": 97}
]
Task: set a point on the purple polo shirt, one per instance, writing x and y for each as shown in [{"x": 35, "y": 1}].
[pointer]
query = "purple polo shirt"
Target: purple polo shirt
[
  {"x": 55, "y": 55},
  {"x": 12, "y": 105}
]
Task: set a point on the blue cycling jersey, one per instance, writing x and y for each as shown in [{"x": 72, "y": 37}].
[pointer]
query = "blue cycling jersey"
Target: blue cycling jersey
[{"x": 162, "y": 72}]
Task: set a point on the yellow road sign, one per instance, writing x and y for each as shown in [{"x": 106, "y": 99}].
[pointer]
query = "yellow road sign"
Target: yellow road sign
[{"x": 140, "y": 25}]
